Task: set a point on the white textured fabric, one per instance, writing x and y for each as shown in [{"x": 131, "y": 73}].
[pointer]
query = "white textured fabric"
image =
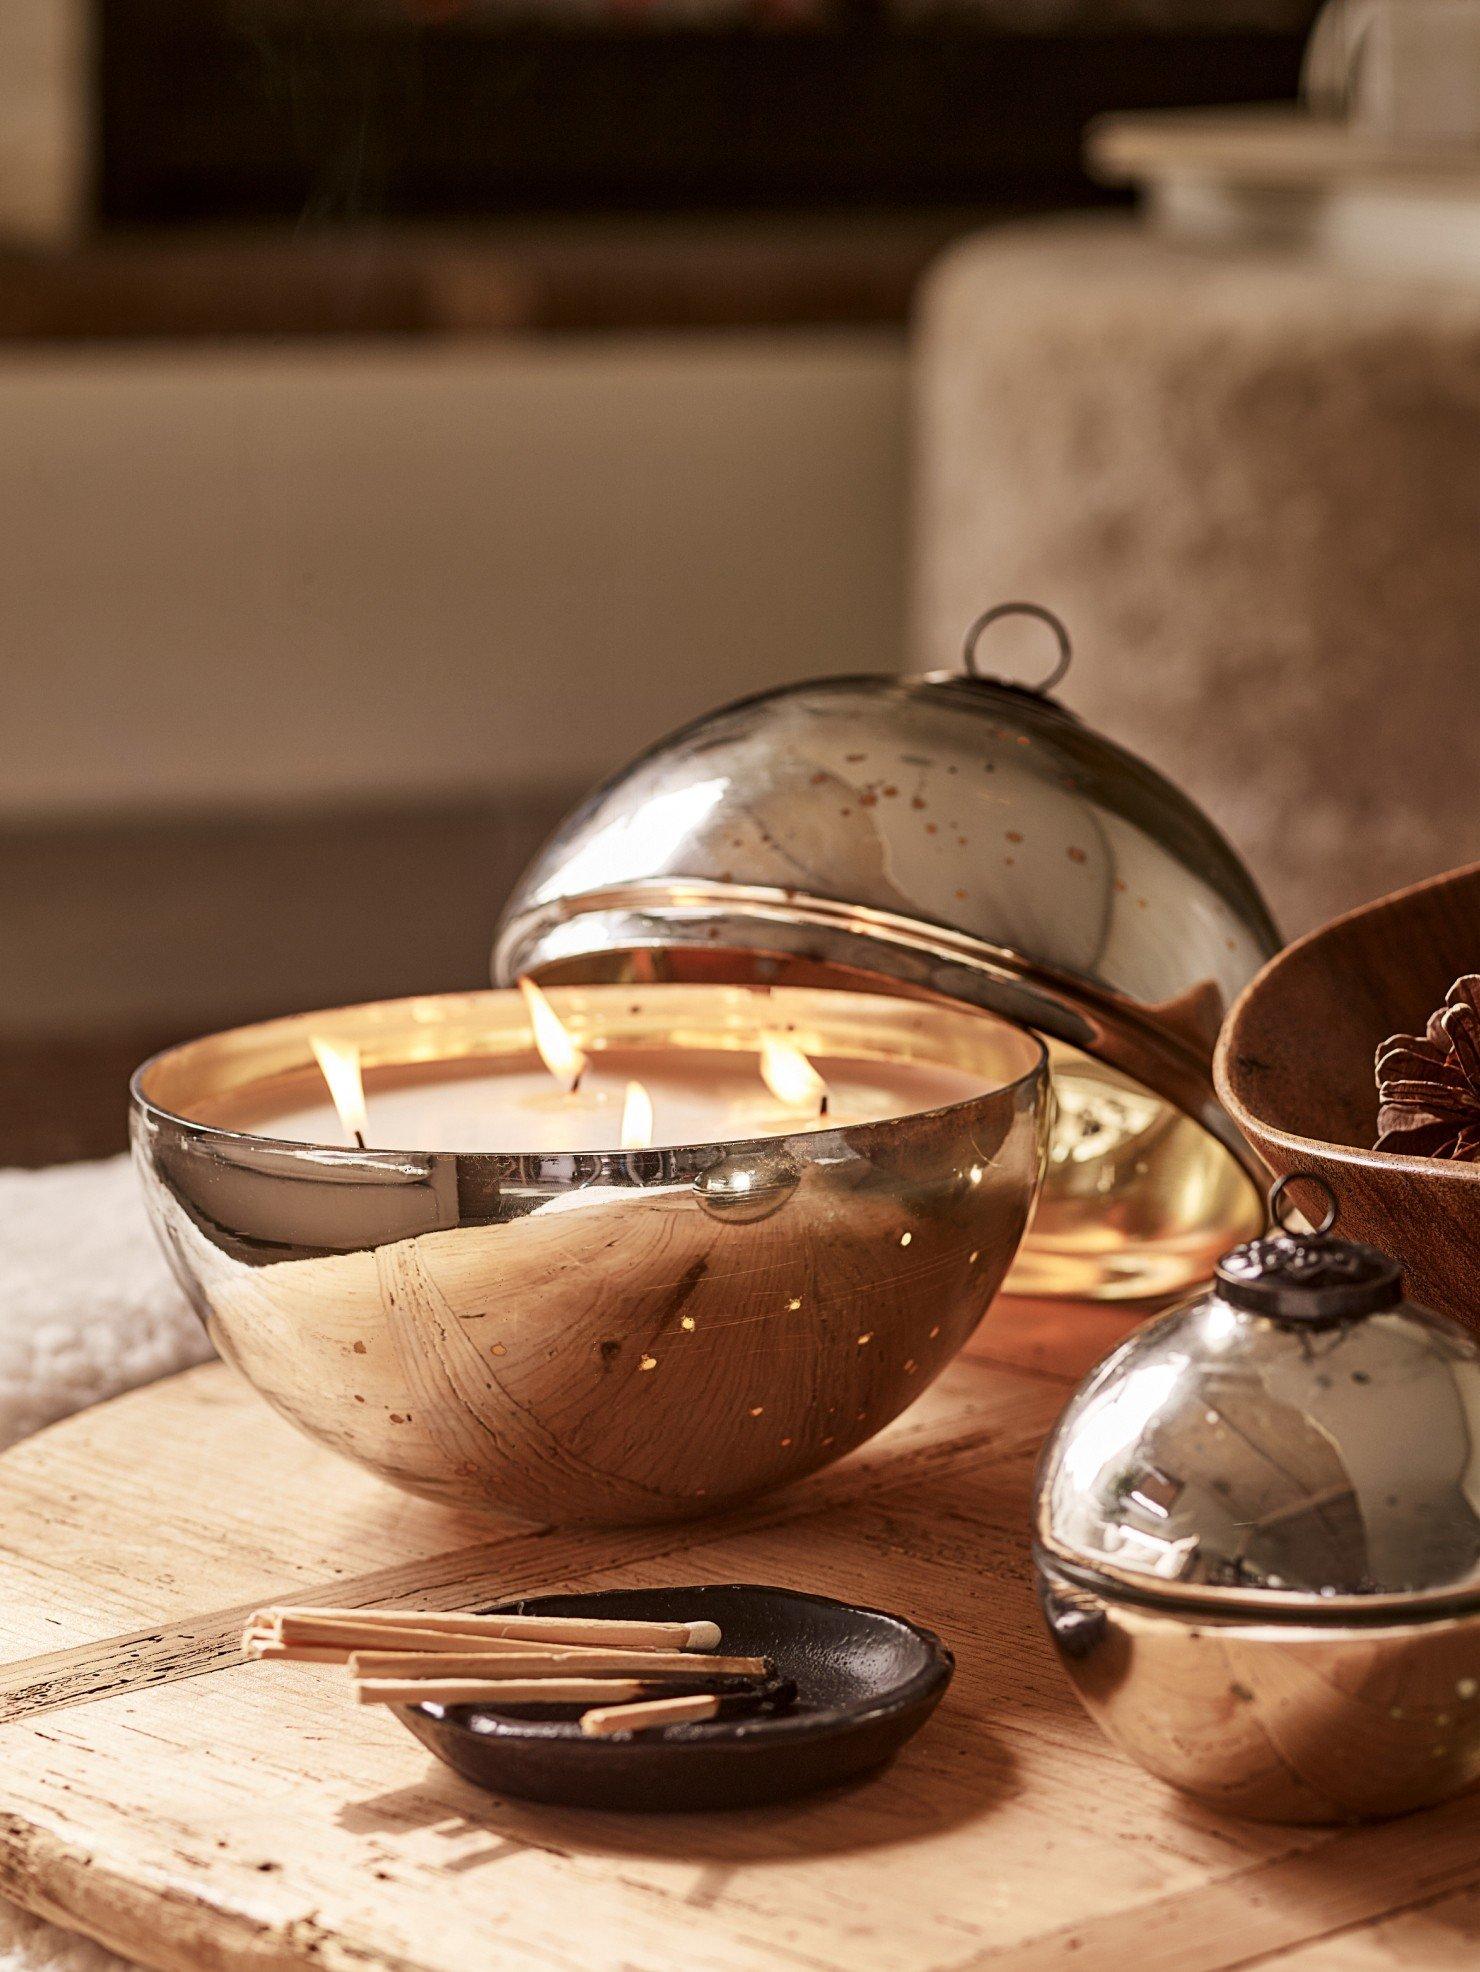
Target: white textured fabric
[
  {"x": 1248, "y": 483},
  {"x": 87, "y": 1304},
  {"x": 87, "y": 1309},
  {"x": 29, "y": 1944}
]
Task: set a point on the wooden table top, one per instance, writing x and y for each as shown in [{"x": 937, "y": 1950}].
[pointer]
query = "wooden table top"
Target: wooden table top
[{"x": 191, "y": 1809}]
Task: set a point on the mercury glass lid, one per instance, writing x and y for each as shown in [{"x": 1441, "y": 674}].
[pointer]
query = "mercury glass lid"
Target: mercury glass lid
[
  {"x": 1315, "y": 1456},
  {"x": 956, "y": 835}
]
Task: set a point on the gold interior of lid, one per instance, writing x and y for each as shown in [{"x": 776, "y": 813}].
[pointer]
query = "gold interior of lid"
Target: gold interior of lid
[{"x": 1139, "y": 1200}]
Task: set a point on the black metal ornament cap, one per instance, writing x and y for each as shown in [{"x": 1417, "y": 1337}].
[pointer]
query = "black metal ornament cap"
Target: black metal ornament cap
[{"x": 1308, "y": 1277}]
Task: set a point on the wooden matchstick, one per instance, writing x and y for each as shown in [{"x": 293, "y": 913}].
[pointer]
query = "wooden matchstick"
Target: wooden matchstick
[
  {"x": 606, "y": 1720},
  {"x": 299, "y": 1628},
  {"x": 267, "y": 1649},
  {"x": 571, "y": 1663},
  {"x": 323, "y": 1632},
  {"x": 332, "y": 1643},
  {"x": 347, "y": 1638},
  {"x": 598, "y": 1632},
  {"x": 501, "y": 1692},
  {"x": 264, "y": 1651}
]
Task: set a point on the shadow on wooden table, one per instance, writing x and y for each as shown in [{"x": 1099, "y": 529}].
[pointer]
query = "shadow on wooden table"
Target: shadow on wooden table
[
  {"x": 1062, "y": 1339},
  {"x": 909, "y": 1800}
]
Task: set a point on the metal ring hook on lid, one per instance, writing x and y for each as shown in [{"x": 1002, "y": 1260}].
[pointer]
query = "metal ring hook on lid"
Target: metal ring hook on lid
[
  {"x": 1306, "y": 1279},
  {"x": 993, "y": 615},
  {"x": 1279, "y": 1196}
]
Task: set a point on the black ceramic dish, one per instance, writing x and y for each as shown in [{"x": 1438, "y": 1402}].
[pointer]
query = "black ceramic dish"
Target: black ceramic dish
[{"x": 866, "y": 1682}]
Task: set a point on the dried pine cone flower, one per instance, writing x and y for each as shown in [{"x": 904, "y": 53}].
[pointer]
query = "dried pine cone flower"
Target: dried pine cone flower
[{"x": 1429, "y": 1083}]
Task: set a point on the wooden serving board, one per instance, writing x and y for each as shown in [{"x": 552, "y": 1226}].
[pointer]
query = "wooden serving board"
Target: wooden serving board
[{"x": 193, "y": 1810}]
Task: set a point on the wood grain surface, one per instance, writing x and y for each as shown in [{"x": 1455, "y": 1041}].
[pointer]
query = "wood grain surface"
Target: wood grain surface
[{"x": 192, "y": 1809}]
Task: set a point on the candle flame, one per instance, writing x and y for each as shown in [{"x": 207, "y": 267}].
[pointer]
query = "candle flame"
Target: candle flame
[
  {"x": 637, "y": 1118},
  {"x": 790, "y": 1077},
  {"x": 339, "y": 1064},
  {"x": 556, "y": 1049}
]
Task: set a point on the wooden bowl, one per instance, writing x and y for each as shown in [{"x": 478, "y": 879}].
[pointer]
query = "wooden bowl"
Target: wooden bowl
[{"x": 1294, "y": 1068}]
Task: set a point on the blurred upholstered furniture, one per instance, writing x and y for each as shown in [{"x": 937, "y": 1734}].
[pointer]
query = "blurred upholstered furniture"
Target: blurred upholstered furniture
[{"x": 1251, "y": 485}]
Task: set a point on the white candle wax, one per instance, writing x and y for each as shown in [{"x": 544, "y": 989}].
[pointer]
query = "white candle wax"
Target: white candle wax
[{"x": 699, "y": 1096}]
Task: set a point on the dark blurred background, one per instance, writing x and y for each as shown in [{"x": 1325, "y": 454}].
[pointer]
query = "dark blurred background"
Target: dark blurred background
[{"x": 316, "y": 112}]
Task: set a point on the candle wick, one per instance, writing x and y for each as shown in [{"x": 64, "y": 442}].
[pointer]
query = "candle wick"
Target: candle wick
[
  {"x": 823, "y": 1105},
  {"x": 360, "y": 1138},
  {"x": 575, "y": 1080}
]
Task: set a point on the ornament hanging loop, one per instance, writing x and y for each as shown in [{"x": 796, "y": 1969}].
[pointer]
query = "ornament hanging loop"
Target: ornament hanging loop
[
  {"x": 1042, "y": 615},
  {"x": 1280, "y": 1199}
]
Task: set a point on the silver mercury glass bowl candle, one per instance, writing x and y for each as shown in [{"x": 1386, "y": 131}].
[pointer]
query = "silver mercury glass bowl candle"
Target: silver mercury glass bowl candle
[
  {"x": 595, "y": 1335},
  {"x": 1257, "y": 1536},
  {"x": 959, "y": 837}
]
